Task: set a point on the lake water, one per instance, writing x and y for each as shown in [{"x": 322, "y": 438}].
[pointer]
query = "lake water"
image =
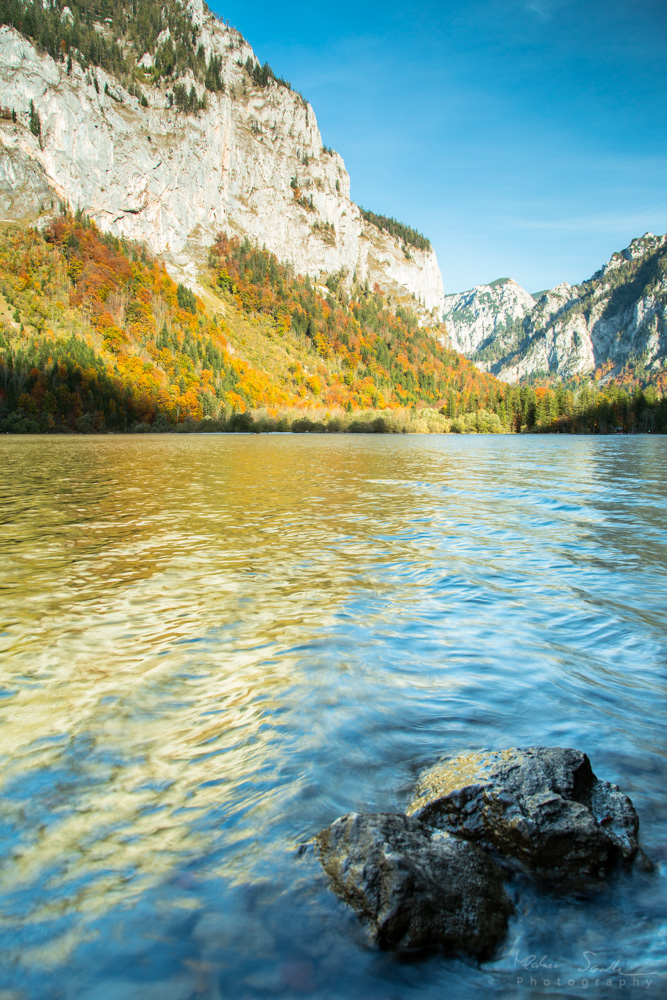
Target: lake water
[{"x": 211, "y": 647}]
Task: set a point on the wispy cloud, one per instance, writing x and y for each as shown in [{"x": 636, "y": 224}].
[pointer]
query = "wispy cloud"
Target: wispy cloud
[
  {"x": 542, "y": 8},
  {"x": 545, "y": 9},
  {"x": 595, "y": 223}
]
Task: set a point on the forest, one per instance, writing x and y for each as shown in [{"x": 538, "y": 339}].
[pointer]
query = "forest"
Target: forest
[
  {"x": 95, "y": 336},
  {"x": 91, "y": 33},
  {"x": 406, "y": 234}
]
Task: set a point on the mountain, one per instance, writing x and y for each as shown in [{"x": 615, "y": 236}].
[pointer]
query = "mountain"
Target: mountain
[
  {"x": 486, "y": 316},
  {"x": 96, "y": 336},
  {"x": 178, "y": 250},
  {"x": 612, "y": 324},
  {"x": 157, "y": 120}
]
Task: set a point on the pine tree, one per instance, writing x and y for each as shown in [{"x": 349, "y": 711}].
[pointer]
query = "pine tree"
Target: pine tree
[{"x": 35, "y": 121}]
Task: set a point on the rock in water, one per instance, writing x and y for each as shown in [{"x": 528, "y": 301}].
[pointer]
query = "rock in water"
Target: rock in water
[
  {"x": 542, "y": 806},
  {"x": 418, "y": 888}
]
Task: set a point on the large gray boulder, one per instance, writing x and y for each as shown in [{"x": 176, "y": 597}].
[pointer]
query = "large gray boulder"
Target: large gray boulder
[
  {"x": 541, "y": 806},
  {"x": 418, "y": 888}
]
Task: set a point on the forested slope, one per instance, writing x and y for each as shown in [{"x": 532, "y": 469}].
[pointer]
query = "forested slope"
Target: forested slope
[{"x": 96, "y": 336}]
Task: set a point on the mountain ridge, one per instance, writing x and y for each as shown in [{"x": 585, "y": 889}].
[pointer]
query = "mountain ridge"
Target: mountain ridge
[{"x": 612, "y": 322}]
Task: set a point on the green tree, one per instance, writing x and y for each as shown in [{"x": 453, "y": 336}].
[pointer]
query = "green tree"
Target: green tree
[
  {"x": 35, "y": 121},
  {"x": 186, "y": 298}
]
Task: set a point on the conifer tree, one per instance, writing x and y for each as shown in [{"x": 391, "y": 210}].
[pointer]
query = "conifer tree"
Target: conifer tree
[{"x": 35, "y": 121}]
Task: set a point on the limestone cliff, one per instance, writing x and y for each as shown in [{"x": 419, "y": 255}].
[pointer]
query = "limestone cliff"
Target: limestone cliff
[
  {"x": 251, "y": 163},
  {"x": 615, "y": 319},
  {"x": 486, "y": 315}
]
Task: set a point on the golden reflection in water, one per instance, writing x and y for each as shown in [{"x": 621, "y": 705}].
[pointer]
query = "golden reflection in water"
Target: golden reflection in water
[{"x": 151, "y": 593}]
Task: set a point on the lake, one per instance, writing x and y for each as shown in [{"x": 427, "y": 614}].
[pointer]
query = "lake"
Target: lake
[{"x": 212, "y": 646}]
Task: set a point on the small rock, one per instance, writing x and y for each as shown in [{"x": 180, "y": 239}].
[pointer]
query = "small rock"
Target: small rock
[
  {"x": 299, "y": 975},
  {"x": 541, "y": 806},
  {"x": 418, "y": 888}
]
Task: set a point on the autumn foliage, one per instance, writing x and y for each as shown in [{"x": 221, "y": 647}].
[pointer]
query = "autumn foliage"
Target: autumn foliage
[
  {"x": 95, "y": 335},
  {"x": 351, "y": 347}
]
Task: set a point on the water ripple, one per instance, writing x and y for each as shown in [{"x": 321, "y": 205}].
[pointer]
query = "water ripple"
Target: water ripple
[{"x": 213, "y": 646}]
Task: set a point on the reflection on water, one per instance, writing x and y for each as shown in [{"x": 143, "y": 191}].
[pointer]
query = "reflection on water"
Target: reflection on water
[{"x": 213, "y": 646}]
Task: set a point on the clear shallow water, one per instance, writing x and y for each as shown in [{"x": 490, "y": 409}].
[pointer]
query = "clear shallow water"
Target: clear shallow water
[{"x": 211, "y": 647}]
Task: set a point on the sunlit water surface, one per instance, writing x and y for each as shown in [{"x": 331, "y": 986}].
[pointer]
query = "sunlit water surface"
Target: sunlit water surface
[{"x": 211, "y": 647}]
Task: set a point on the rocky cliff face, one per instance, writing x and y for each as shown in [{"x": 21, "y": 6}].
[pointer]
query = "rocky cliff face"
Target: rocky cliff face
[
  {"x": 486, "y": 315},
  {"x": 616, "y": 318},
  {"x": 252, "y": 163}
]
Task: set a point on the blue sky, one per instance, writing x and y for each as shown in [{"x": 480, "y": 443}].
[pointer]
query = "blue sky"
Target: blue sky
[{"x": 525, "y": 138}]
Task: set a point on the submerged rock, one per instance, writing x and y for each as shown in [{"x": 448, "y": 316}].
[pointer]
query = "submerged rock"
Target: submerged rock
[
  {"x": 541, "y": 806},
  {"x": 417, "y": 887}
]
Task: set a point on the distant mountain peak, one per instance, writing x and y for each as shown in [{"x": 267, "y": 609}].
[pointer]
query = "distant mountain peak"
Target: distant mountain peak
[
  {"x": 486, "y": 314},
  {"x": 617, "y": 317}
]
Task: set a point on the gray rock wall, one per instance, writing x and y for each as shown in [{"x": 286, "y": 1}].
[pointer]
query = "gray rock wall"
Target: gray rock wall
[
  {"x": 616, "y": 317},
  {"x": 174, "y": 181}
]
